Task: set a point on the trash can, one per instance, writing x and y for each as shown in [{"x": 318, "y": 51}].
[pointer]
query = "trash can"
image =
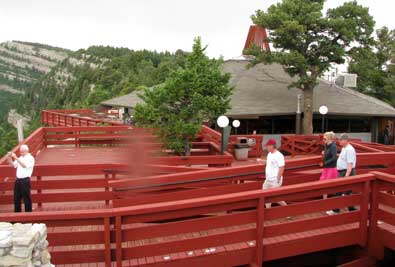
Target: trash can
[
  {"x": 241, "y": 151},
  {"x": 242, "y": 140}
]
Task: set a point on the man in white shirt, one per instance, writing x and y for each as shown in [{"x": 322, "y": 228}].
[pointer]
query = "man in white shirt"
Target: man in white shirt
[
  {"x": 24, "y": 168},
  {"x": 346, "y": 163},
  {"x": 275, "y": 165},
  {"x": 347, "y": 159}
]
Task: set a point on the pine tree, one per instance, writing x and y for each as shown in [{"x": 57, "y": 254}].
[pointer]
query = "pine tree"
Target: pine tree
[
  {"x": 307, "y": 42},
  {"x": 197, "y": 92}
]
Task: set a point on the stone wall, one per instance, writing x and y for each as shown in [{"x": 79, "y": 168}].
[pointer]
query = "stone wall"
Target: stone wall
[{"x": 24, "y": 245}]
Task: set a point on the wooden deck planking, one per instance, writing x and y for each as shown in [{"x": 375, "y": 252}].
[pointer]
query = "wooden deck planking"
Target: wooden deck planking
[
  {"x": 219, "y": 249},
  {"x": 78, "y": 156}
]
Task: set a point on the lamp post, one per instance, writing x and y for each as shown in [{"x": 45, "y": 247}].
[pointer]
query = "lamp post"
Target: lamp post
[
  {"x": 298, "y": 115},
  {"x": 223, "y": 123},
  {"x": 323, "y": 111}
]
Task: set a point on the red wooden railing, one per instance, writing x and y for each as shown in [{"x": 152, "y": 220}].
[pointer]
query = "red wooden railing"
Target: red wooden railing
[
  {"x": 35, "y": 142},
  {"x": 297, "y": 171},
  {"x": 203, "y": 153},
  {"x": 313, "y": 144},
  {"x": 211, "y": 135},
  {"x": 301, "y": 144},
  {"x": 382, "y": 214},
  {"x": 66, "y": 118},
  {"x": 227, "y": 229},
  {"x": 87, "y": 135},
  {"x": 59, "y": 184}
]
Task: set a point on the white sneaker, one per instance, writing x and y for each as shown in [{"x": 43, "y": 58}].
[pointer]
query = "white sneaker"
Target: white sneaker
[{"x": 330, "y": 212}]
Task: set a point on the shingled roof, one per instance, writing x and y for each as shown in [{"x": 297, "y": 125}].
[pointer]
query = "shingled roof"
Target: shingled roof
[
  {"x": 263, "y": 91},
  {"x": 129, "y": 100}
]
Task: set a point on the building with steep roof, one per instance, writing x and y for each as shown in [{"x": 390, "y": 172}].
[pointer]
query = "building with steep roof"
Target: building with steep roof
[{"x": 264, "y": 104}]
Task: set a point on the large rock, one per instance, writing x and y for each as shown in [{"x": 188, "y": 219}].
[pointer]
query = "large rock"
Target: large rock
[{"x": 24, "y": 245}]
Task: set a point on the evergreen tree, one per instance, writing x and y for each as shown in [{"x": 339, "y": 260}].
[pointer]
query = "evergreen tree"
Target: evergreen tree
[
  {"x": 375, "y": 66},
  {"x": 307, "y": 42},
  {"x": 190, "y": 95}
]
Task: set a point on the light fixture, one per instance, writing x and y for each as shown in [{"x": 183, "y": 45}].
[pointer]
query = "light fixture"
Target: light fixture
[
  {"x": 236, "y": 123},
  {"x": 223, "y": 121},
  {"x": 323, "y": 110}
]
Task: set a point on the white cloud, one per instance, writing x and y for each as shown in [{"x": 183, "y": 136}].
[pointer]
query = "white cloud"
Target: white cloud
[{"x": 137, "y": 24}]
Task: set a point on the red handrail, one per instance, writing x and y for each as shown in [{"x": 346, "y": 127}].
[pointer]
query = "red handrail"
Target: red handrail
[
  {"x": 354, "y": 230},
  {"x": 65, "y": 118}
]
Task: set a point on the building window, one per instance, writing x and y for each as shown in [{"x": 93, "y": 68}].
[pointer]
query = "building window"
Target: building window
[
  {"x": 349, "y": 125},
  {"x": 360, "y": 125}
]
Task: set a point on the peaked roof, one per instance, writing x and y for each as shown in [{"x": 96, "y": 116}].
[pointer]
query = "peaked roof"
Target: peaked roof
[
  {"x": 129, "y": 100},
  {"x": 262, "y": 90},
  {"x": 257, "y": 36}
]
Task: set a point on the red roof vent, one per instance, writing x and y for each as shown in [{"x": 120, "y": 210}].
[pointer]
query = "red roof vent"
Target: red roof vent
[{"x": 257, "y": 35}]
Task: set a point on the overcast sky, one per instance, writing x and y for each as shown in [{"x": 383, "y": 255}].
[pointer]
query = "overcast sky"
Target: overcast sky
[{"x": 152, "y": 24}]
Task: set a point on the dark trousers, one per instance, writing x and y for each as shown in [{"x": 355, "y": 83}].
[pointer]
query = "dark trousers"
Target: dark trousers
[
  {"x": 22, "y": 191},
  {"x": 342, "y": 173}
]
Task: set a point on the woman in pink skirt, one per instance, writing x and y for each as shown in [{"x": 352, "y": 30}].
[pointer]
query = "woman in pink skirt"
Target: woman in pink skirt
[{"x": 329, "y": 157}]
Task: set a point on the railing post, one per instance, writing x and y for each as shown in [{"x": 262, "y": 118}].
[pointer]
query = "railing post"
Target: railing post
[
  {"x": 39, "y": 204},
  {"x": 259, "y": 232},
  {"x": 375, "y": 247},
  {"x": 107, "y": 188},
  {"x": 293, "y": 147},
  {"x": 118, "y": 240},
  {"x": 107, "y": 242},
  {"x": 364, "y": 209}
]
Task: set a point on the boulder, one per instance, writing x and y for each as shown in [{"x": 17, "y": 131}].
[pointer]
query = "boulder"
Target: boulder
[{"x": 24, "y": 245}]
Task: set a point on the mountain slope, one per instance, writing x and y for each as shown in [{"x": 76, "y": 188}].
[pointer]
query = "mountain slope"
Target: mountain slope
[
  {"x": 87, "y": 77},
  {"x": 22, "y": 64},
  {"x": 35, "y": 77}
]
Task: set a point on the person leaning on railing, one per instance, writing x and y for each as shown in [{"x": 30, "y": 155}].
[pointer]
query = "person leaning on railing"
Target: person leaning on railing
[{"x": 24, "y": 168}]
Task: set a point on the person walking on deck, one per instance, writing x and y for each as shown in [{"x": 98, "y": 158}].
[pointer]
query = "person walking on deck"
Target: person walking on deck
[
  {"x": 329, "y": 160},
  {"x": 345, "y": 165},
  {"x": 275, "y": 165},
  {"x": 24, "y": 168}
]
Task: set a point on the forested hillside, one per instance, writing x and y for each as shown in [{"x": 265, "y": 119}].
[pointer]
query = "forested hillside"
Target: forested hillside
[
  {"x": 90, "y": 76},
  {"x": 22, "y": 65},
  {"x": 64, "y": 79}
]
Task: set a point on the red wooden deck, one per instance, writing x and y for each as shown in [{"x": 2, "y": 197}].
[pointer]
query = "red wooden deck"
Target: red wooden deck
[
  {"x": 222, "y": 230},
  {"x": 80, "y": 156},
  {"x": 192, "y": 211}
]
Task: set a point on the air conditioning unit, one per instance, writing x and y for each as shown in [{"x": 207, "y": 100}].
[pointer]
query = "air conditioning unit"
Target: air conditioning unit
[{"x": 348, "y": 80}]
